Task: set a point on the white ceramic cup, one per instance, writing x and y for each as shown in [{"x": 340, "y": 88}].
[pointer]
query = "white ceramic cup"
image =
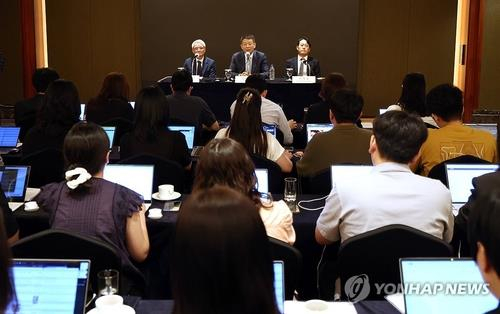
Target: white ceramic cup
[
  {"x": 316, "y": 306},
  {"x": 165, "y": 191},
  {"x": 108, "y": 303},
  {"x": 155, "y": 212}
]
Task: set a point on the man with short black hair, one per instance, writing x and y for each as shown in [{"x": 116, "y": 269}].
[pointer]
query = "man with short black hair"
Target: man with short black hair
[
  {"x": 271, "y": 113},
  {"x": 390, "y": 193},
  {"x": 186, "y": 108},
  {"x": 345, "y": 143},
  {"x": 249, "y": 61},
  {"x": 25, "y": 111},
  {"x": 452, "y": 139}
]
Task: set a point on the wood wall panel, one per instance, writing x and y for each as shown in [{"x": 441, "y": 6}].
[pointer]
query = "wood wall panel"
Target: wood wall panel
[{"x": 489, "y": 96}]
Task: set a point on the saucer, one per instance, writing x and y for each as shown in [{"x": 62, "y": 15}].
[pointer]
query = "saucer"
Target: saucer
[
  {"x": 122, "y": 309},
  {"x": 155, "y": 216},
  {"x": 174, "y": 196}
]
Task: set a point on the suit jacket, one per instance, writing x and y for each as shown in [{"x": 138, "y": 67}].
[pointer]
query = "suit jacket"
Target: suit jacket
[
  {"x": 259, "y": 63},
  {"x": 25, "y": 113},
  {"x": 207, "y": 70},
  {"x": 314, "y": 69}
]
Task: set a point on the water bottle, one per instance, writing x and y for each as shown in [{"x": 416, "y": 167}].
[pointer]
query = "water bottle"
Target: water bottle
[{"x": 271, "y": 72}]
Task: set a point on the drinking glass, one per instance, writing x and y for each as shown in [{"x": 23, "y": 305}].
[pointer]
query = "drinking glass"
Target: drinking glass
[
  {"x": 107, "y": 282},
  {"x": 290, "y": 196},
  {"x": 227, "y": 74},
  {"x": 289, "y": 73},
  {"x": 266, "y": 199}
]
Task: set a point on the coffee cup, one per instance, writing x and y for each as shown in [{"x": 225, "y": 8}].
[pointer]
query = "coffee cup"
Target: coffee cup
[
  {"x": 155, "y": 212},
  {"x": 108, "y": 303},
  {"x": 165, "y": 191},
  {"x": 316, "y": 306}
]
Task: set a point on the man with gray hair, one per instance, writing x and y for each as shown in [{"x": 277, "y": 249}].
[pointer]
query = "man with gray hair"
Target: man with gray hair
[{"x": 199, "y": 64}]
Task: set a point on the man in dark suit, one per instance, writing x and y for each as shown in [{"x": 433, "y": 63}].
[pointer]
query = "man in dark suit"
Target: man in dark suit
[
  {"x": 249, "y": 61},
  {"x": 25, "y": 111},
  {"x": 304, "y": 64},
  {"x": 200, "y": 64}
]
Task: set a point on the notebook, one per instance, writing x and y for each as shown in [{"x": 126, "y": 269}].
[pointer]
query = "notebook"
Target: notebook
[
  {"x": 110, "y": 132},
  {"x": 8, "y": 138},
  {"x": 489, "y": 127},
  {"x": 14, "y": 180},
  {"x": 460, "y": 181},
  {"x": 82, "y": 112},
  {"x": 138, "y": 178},
  {"x": 343, "y": 172},
  {"x": 262, "y": 180},
  {"x": 279, "y": 285},
  {"x": 315, "y": 128},
  {"x": 269, "y": 128},
  {"x": 463, "y": 289},
  {"x": 50, "y": 286}
]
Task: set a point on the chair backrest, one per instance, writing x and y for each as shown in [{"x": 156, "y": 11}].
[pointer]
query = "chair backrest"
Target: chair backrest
[
  {"x": 276, "y": 183},
  {"x": 122, "y": 126},
  {"x": 166, "y": 171},
  {"x": 439, "y": 171},
  {"x": 59, "y": 244},
  {"x": 292, "y": 258},
  {"x": 376, "y": 254},
  {"x": 47, "y": 166},
  {"x": 320, "y": 184}
]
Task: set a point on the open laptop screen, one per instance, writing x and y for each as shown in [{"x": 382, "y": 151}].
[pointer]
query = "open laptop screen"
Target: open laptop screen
[
  {"x": 269, "y": 128},
  {"x": 262, "y": 180},
  {"x": 9, "y": 136},
  {"x": 50, "y": 286},
  {"x": 460, "y": 179},
  {"x": 489, "y": 127},
  {"x": 343, "y": 172},
  {"x": 187, "y": 130},
  {"x": 138, "y": 178},
  {"x": 315, "y": 128},
  {"x": 14, "y": 180},
  {"x": 279, "y": 284},
  {"x": 444, "y": 285},
  {"x": 110, "y": 132}
]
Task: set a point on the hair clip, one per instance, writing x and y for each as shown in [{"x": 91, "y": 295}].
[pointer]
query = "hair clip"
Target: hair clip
[{"x": 246, "y": 99}]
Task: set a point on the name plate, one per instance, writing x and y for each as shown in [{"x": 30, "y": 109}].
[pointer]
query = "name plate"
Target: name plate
[
  {"x": 196, "y": 78},
  {"x": 240, "y": 79},
  {"x": 303, "y": 79}
]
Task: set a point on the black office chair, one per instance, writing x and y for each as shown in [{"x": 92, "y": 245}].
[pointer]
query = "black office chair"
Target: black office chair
[
  {"x": 276, "y": 179},
  {"x": 165, "y": 172},
  {"x": 59, "y": 244},
  {"x": 292, "y": 258},
  {"x": 122, "y": 126},
  {"x": 319, "y": 184},
  {"x": 47, "y": 166},
  {"x": 376, "y": 254},
  {"x": 439, "y": 171}
]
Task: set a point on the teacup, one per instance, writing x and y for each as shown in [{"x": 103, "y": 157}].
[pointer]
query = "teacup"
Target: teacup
[
  {"x": 165, "y": 191},
  {"x": 316, "y": 306},
  {"x": 155, "y": 212},
  {"x": 109, "y": 303}
]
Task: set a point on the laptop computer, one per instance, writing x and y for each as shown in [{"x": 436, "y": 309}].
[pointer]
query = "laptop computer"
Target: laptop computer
[
  {"x": 50, "y": 286},
  {"x": 8, "y": 138},
  {"x": 189, "y": 133},
  {"x": 315, "y": 128},
  {"x": 279, "y": 285},
  {"x": 138, "y": 178},
  {"x": 444, "y": 285},
  {"x": 82, "y": 112},
  {"x": 460, "y": 181},
  {"x": 110, "y": 132},
  {"x": 262, "y": 180},
  {"x": 489, "y": 127},
  {"x": 342, "y": 172},
  {"x": 14, "y": 180},
  {"x": 269, "y": 128}
]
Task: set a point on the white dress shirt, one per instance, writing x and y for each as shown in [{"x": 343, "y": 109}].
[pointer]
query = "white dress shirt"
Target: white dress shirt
[{"x": 299, "y": 62}]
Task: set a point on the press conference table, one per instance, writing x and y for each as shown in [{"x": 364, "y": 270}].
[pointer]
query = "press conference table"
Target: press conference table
[
  {"x": 220, "y": 94},
  {"x": 161, "y": 233}
]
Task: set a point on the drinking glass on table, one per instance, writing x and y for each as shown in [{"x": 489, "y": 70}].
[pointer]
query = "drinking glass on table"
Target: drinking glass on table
[
  {"x": 107, "y": 282},
  {"x": 290, "y": 195},
  {"x": 227, "y": 74},
  {"x": 289, "y": 73}
]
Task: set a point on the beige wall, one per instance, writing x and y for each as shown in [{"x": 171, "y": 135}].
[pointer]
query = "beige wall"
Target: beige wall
[
  {"x": 490, "y": 68},
  {"x": 401, "y": 36},
  {"x": 11, "y": 79},
  {"x": 89, "y": 38}
]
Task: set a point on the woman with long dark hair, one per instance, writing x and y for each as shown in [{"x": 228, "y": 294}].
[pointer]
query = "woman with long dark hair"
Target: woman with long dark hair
[{"x": 221, "y": 262}]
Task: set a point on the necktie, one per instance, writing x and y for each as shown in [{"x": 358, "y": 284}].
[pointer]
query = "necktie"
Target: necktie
[
  {"x": 302, "y": 66},
  {"x": 248, "y": 64},
  {"x": 198, "y": 68}
]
